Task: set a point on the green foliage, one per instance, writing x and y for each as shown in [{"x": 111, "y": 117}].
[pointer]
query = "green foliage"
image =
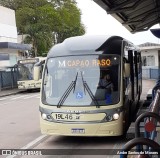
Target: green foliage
[
  {"x": 46, "y": 22},
  {"x": 70, "y": 21},
  {"x": 17, "y": 4}
]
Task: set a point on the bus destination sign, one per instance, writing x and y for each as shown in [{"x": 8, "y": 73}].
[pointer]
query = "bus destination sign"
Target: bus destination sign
[
  {"x": 84, "y": 63},
  {"x": 28, "y": 61}
]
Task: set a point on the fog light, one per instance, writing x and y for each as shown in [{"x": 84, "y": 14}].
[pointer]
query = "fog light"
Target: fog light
[
  {"x": 115, "y": 116},
  {"x": 49, "y": 117},
  {"x": 44, "y": 116},
  {"x": 109, "y": 118}
]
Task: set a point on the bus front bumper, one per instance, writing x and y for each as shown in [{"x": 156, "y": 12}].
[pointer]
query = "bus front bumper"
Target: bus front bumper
[{"x": 113, "y": 128}]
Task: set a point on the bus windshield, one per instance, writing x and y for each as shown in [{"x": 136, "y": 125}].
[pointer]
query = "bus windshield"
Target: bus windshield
[
  {"x": 82, "y": 80},
  {"x": 25, "y": 69},
  {"x": 25, "y": 72}
]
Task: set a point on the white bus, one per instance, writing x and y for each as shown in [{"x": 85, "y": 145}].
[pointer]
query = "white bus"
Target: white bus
[
  {"x": 72, "y": 102},
  {"x": 25, "y": 73}
]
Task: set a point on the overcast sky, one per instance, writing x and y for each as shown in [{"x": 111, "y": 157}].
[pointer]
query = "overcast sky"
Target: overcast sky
[{"x": 98, "y": 22}]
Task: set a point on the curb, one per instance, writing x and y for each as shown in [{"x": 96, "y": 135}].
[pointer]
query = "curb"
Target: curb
[{"x": 8, "y": 94}]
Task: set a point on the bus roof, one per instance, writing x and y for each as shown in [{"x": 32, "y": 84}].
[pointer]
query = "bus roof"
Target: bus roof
[{"x": 84, "y": 44}]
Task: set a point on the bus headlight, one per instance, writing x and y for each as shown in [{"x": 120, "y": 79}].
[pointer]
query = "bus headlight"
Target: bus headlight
[
  {"x": 46, "y": 117},
  {"x": 113, "y": 114},
  {"x": 116, "y": 116}
]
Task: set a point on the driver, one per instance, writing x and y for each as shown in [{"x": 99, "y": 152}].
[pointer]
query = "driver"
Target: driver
[{"x": 105, "y": 83}]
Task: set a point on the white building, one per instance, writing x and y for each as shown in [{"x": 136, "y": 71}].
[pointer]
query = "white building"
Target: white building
[
  {"x": 8, "y": 29},
  {"x": 150, "y": 53},
  {"x": 10, "y": 50}
]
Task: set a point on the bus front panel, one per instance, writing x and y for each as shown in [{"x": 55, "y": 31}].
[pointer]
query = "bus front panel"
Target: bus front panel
[{"x": 82, "y": 82}]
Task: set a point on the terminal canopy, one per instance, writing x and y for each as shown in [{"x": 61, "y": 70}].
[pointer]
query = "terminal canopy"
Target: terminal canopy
[{"x": 135, "y": 15}]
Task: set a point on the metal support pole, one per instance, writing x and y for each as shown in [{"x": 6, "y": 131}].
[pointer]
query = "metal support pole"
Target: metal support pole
[{"x": 0, "y": 80}]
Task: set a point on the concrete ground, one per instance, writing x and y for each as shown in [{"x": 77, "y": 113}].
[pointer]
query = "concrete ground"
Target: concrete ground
[{"x": 147, "y": 86}]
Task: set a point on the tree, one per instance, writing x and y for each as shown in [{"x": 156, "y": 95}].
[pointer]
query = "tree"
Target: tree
[
  {"x": 17, "y": 4},
  {"x": 38, "y": 24},
  {"x": 46, "y": 22},
  {"x": 70, "y": 21}
]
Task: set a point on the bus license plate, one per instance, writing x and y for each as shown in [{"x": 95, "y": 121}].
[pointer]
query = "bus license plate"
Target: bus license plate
[
  {"x": 66, "y": 117},
  {"x": 78, "y": 130}
]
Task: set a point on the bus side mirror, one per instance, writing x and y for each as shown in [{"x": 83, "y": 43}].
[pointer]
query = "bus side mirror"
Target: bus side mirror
[
  {"x": 126, "y": 69},
  {"x": 36, "y": 75}
]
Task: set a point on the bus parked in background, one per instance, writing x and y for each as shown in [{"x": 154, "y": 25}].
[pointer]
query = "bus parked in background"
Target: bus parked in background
[
  {"x": 25, "y": 73},
  {"x": 73, "y": 103}
]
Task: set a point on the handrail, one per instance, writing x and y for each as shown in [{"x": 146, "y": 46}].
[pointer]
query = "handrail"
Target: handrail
[
  {"x": 140, "y": 118},
  {"x": 157, "y": 86},
  {"x": 150, "y": 123},
  {"x": 140, "y": 141},
  {"x": 154, "y": 106},
  {"x": 154, "y": 109}
]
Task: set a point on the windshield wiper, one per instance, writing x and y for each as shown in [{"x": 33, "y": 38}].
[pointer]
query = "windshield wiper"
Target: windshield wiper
[
  {"x": 67, "y": 92},
  {"x": 86, "y": 87}
]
